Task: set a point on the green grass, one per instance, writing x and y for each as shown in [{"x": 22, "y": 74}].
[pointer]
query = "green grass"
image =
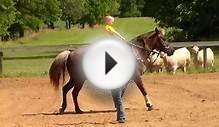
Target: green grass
[
  {"x": 131, "y": 27},
  {"x": 40, "y": 67},
  {"x": 29, "y": 67},
  {"x": 31, "y": 51},
  {"x": 128, "y": 27}
]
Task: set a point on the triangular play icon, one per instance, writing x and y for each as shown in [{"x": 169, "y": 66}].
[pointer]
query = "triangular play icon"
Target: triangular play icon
[{"x": 109, "y": 63}]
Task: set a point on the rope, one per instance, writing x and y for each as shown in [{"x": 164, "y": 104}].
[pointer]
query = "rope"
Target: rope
[{"x": 143, "y": 48}]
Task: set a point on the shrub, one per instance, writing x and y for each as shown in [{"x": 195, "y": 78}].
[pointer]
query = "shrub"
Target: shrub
[{"x": 175, "y": 34}]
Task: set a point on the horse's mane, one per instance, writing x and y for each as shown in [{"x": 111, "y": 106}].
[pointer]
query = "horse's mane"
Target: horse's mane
[
  {"x": 142, "y": 36},
  {"x": 140, "y": 41}
]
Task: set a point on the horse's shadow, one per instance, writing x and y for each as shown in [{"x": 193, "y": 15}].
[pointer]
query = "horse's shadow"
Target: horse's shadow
[
  {"x": 72, "y": 112},
  {"x": 69, "y": 112}
]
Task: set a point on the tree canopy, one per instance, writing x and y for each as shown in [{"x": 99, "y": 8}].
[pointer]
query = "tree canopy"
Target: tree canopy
[
  {"x": 129, "y": 8},
  {"x": 196, "y": 18},
  {"x": 7, "y": 15}
]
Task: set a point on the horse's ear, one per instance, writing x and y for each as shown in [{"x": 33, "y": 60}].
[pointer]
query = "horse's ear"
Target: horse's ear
[{"x": 156, "y": 30}]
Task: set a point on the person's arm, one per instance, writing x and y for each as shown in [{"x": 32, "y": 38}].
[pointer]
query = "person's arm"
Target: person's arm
[{"x": 112, "y": 30}]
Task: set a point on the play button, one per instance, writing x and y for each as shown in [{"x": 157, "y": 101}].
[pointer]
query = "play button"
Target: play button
[{"x": 109, "y": 63}]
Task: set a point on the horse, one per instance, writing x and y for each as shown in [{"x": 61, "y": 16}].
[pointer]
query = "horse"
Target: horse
[{"x": 70, "y": 62}]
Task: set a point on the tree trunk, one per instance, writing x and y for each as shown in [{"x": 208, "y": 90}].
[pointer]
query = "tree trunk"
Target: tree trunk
[
  {"x": 82, "y": 25},
  {"x": 69, "y": 24},
  {"x": 52, "y": 25},
  {"x": 21, "y": 33},
  {"x": 66, "y": 24},
  {"x": 5, "y": 38}
]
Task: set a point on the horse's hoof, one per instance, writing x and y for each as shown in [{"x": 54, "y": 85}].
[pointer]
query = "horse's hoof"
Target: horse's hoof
[
  {"x": 61, "y": 111},
  {"x": 150, "y": 107},
  {"x": 78, "y": 111}
]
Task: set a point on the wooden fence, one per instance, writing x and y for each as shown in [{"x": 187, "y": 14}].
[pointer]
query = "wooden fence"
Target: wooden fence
[
  {"x": 59, "y": 48},
  {"x": 203, "y": 44}
]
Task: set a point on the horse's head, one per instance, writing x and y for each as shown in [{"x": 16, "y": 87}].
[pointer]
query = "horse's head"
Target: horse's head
[{"x": 157, "y": 41}]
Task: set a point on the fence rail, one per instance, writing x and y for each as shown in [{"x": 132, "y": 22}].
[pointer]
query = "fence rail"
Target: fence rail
[
  {"x": 200, "y": 44},
  {"x": 59, "y": 48},
  {"x": 73, "y": 46}
]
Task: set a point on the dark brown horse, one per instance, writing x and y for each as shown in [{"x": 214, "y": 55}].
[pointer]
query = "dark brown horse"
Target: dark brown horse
[{"x": 71, "y": 62}]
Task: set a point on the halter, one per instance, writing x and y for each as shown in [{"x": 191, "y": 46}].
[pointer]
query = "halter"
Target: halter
[
  {"x": 158, "y": 53},
  {"x": 146, "y": 50}
]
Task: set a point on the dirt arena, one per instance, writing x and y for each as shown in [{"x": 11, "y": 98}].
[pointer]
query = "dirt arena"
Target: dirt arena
[{"x": 190, "y": 100}]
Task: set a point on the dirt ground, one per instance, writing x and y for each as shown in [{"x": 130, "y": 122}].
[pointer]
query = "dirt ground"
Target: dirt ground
[{"x": 185, "y": 100}]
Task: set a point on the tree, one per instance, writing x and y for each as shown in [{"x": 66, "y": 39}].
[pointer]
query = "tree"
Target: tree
[
  {"x": 51, "y": 12},
  {"x": 38, "y": 11},
  {"x": 140, "y": 6},
  {"x": 151, "y": 7},
  {"x": 31, "y": 14},
  {"x": 129, "y": 8},
  {"x": 97, "y": 9},
  {"x": 196, "y": 18},
  {"x": 7, "y": 16},
  {"x": 72, "y": 11},
  {"x": 112, "y": 7}
]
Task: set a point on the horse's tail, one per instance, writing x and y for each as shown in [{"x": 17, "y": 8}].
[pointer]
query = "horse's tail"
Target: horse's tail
[{"x": 58, "y": 69}]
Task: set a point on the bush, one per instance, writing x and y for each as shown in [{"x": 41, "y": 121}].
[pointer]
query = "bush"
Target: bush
[{"x": 175, "y": 34}]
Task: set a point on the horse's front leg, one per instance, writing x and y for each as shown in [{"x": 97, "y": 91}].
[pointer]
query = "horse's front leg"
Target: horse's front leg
[{"x": 139, "y": 83}]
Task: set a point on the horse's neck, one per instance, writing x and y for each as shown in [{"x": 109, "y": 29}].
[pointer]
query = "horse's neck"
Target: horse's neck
[
  {"x": 139, "y": 54},
  {"x": 143, "y": 54}
]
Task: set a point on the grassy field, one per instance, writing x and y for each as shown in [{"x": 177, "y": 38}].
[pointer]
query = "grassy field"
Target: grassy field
[
  {"x": 26, "y": 67},
  {"x": 128, "y": 27},
  {"x": 40, "y": 67},
  {"x": 23, "y": 58}
]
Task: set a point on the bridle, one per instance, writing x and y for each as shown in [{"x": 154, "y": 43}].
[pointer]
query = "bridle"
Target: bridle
[
  {"x": 145, "y": 49},
  {"x": 158, "y": 53}
]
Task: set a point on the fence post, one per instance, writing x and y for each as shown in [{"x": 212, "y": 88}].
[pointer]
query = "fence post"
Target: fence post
[
  {"x": 1, "y": 61},
  {"x": 205, "y": 57}
]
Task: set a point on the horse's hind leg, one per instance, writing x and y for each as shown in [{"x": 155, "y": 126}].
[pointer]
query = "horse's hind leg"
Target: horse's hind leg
[
  {"x": 138, "y": 81},
  {"x": 65, "y": 90},
  {"x": 75, "y": 92}
]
